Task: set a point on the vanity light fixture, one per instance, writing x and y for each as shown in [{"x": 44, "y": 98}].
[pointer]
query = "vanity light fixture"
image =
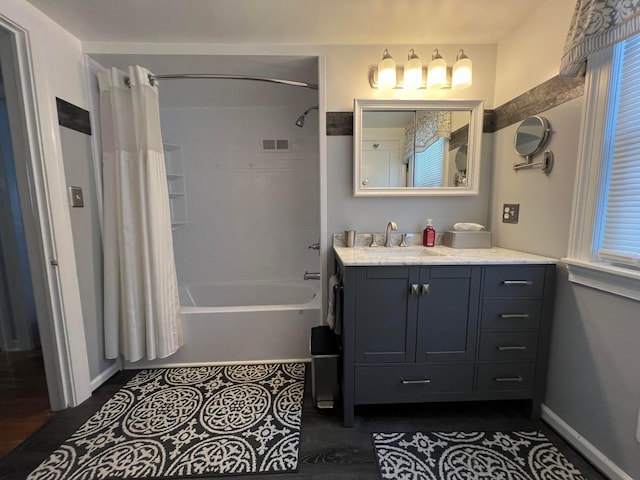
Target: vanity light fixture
[
  {"x": 386, "y": 72},
  {"x": 462, "y": 72},
  {"x": 438, "y": 74},
  {"x": 436, "y": 71},
  {"x": 412, "y": 72}
]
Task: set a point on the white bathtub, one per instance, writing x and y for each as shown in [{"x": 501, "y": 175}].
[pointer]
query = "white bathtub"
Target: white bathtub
[{"x": 244, "y": 322}]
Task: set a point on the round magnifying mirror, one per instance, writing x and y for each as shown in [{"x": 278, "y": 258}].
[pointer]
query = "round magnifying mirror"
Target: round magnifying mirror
[
  {"x": 531, "y": 135},
  {"x": 461, "y": 159}
]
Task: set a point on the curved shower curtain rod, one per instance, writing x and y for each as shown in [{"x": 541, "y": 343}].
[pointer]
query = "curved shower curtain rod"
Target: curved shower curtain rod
[{"x": 292, "y": 83}]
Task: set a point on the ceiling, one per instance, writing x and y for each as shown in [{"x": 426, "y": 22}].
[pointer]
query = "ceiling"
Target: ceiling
[{"x": 277, "y": 22}]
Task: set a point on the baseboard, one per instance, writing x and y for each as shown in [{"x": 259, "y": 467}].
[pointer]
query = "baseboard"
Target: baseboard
[
  {"x": 577, "y": 441},
  {"x": 160, "y": 364},
  {"x": 106, "y": 375}
]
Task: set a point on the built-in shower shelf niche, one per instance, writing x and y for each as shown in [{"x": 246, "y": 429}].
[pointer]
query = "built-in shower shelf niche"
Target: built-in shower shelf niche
[{"x": 175, "y": 183}]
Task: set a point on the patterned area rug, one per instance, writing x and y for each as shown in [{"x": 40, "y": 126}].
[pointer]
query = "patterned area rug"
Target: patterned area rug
[
  {"x": 182, "y": 422},
  {"x": 471, "y": 455}
]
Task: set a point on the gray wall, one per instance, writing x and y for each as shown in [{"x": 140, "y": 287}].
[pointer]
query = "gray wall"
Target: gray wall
[
  {"x": 593, "y": 383},
  {"x": 87, "y": 244}
]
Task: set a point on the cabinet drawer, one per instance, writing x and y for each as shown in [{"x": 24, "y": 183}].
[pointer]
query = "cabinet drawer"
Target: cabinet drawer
[
  {"x": 514, "y": 281},
  {"x": 508, "y": 346},
  {"x": 511, "y": 314},
  {"x": 503, "y": 377},
  {"x": 409, "y": 382}
]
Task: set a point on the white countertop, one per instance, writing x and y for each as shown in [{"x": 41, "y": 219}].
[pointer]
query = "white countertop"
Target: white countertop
[{"x": 438, "y": 255}]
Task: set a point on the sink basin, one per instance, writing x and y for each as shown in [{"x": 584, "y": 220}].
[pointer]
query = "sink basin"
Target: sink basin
[{"x": 401, "y": 252}]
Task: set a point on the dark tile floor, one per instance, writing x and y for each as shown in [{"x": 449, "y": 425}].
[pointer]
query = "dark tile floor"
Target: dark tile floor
[{"x": 328, "y": 451}]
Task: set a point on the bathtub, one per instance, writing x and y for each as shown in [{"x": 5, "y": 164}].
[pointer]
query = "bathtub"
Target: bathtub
[{"x": 244, "y": 322}]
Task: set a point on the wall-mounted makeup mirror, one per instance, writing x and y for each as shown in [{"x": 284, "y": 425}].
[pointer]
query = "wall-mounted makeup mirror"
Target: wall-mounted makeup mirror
[
  {"x": 530, "y": 137},
  {"x": 417, "y": 147}
]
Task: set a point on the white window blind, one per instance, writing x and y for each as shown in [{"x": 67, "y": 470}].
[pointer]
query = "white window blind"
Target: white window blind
[
  {"x": 620, "y": 241},
  {"x": 429, "y": 165}
]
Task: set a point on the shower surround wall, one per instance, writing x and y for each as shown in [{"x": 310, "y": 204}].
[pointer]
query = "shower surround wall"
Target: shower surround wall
[{"x": 251, "y": 213}]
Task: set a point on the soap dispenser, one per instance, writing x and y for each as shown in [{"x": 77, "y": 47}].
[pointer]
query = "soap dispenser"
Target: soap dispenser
[{"x": 429, "y": 234}]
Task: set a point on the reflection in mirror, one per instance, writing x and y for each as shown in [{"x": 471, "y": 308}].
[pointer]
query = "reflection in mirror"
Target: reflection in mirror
[
  {"x": 416, "y": 147},
  {"x": 460, "y": 177}
]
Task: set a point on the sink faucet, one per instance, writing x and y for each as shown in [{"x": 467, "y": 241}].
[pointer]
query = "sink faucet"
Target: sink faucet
[{"x": 387, "y": 239}]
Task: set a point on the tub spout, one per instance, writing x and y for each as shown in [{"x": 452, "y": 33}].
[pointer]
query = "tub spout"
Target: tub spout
[{"x": 312, "y": 275}]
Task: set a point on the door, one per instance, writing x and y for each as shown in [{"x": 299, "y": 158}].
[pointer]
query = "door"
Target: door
[
  {"x": 447, "y": 314},
  {"x": 385, "y": 315}
]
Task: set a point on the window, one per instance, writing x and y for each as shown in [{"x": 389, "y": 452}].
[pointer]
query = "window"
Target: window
[
  {"x": 604, "y": 249},
  {"x": 429, "y": 168},
  {"x": 620, "y": 236}
]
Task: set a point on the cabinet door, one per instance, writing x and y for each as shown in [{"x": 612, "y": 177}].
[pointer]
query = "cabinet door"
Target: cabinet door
[
  {"x": 447, "y": 314},
  {"x": 385, "y": 315}
]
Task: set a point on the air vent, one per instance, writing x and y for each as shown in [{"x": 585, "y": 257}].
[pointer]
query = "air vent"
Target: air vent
[{"x": 277, "y": 145}]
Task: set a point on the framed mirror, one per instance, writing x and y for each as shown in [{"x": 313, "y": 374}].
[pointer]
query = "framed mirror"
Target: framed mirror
[{"x": 417, "y": 147}]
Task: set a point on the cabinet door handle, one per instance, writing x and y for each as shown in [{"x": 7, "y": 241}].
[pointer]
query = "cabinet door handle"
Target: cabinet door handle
[
  {"x": 514, "y": 315},
  {"x": 506, "y": 348},
  {"x": 425, "y": 288},
  {"x": 508, "y": 379},
  {"x": 415, "y": 382},
  {"x": 415, "y": 289},
  {"x": 517, "y": 282}
]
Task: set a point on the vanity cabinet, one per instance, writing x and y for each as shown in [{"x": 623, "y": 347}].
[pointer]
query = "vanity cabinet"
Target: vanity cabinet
[{"x": 444, "y": 333}]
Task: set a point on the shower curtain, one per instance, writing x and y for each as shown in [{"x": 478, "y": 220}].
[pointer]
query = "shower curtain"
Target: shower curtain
[{"x": 141, "y": 304}]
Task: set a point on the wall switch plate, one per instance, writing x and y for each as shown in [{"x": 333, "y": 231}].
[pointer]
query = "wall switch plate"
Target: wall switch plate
[
  {"x": 510, "y": 212},
  {"x": 76, "y": 196}
]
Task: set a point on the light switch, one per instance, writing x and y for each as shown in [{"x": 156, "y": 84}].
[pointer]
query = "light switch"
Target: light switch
[{"x": 76, "y": 196}]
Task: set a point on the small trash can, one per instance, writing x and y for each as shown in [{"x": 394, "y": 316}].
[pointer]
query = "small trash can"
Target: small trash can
[{"x": 325, "y": 357}]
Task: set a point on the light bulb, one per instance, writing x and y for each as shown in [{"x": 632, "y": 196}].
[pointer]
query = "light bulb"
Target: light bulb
[
  {"x": 462, "y": 74},
  {"x": 436, "y": 71},
  {"x": 413, "y": 72},
  {"x": 386, "y": 72}
]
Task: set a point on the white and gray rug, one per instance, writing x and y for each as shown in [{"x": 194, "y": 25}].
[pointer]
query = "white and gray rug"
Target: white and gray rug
[
  {"x": 183, "y": 422},
  {"x": 471, "y": 455}
]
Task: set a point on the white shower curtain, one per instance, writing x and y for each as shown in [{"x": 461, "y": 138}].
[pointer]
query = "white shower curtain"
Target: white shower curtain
[{"x": 141, "y": 304}]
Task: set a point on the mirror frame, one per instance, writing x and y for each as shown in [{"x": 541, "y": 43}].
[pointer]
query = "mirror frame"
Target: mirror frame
[{"x": 473, "y": 149}]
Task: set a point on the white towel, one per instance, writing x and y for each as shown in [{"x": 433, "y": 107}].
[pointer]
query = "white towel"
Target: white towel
[
  {"x": 331, "y": 302},
  {"x": 468, "y": 227}
]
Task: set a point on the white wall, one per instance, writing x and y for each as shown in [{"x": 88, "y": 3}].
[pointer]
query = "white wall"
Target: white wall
[
  {"x": 530, "y": 54},
  {"x": 57, "y": 71},
  {"x": 251, "y": 213}
]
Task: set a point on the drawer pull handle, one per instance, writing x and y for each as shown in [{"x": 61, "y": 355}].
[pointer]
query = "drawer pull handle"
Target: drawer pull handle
[
  {"x": 415, "y": 382},
  {"x": 506, "y": 348},
  {"x": 517, "y": 282},
  {"x": 514, "y": 315},
  {"x": 508, "y": 379}
]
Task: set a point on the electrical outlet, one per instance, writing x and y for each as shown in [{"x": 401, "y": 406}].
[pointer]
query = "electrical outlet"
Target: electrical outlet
[{"x": 510, "y": 212}]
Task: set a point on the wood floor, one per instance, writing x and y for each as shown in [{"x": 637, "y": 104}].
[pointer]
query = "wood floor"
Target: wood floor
[
  {"x": 24, "y": 400},
  {"x": 328, "y": 451}
]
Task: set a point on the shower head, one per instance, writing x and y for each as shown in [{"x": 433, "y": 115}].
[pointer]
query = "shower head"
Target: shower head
[{"x": 301, "y": 119}]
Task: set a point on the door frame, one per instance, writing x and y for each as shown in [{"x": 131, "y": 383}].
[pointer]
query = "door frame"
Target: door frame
[{"x": 47, "y": 224}]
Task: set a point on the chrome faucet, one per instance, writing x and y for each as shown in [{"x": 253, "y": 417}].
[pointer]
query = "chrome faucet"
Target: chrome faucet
[{"x": 387, "y": 239}]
